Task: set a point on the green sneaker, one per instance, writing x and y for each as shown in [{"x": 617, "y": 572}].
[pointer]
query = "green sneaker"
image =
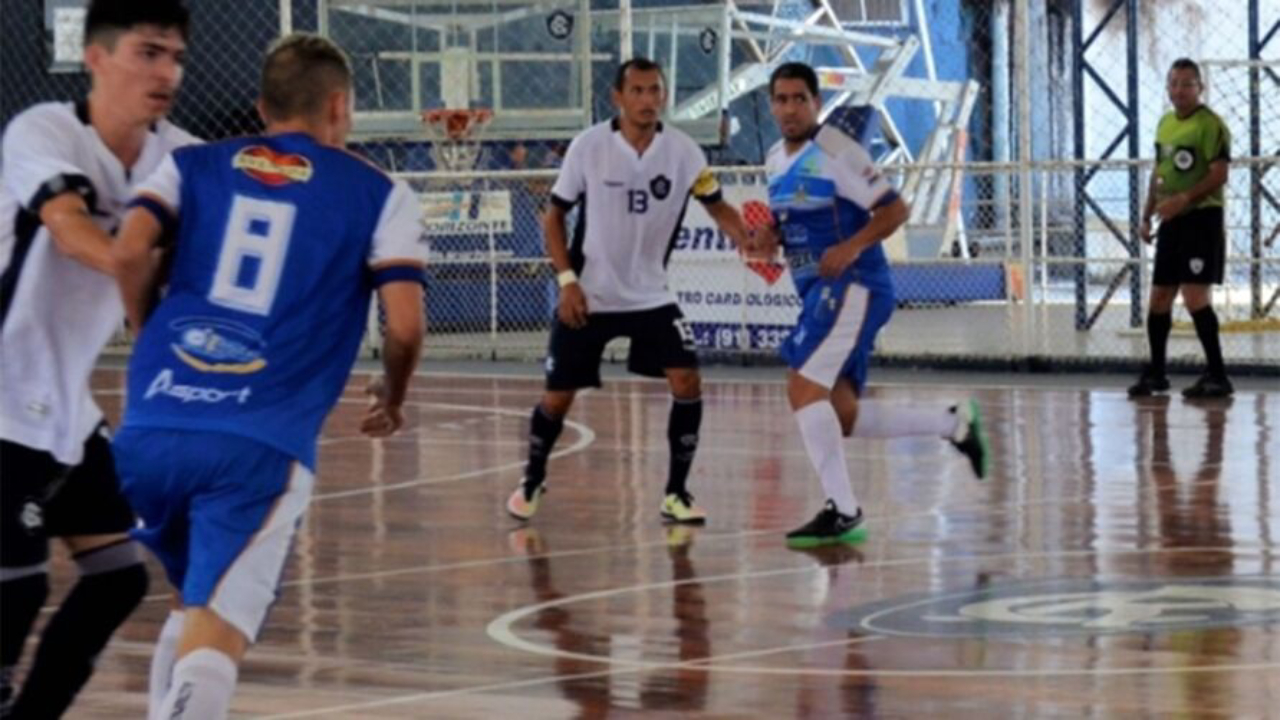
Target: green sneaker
[
  {"x": 969, "y": 437},
  {"x": 679, "y": 508},
  {"x": 828, "y": 527}
]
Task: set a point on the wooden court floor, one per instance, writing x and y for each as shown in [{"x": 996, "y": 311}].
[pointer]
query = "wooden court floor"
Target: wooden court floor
[{"x": 1121, "y": 562}]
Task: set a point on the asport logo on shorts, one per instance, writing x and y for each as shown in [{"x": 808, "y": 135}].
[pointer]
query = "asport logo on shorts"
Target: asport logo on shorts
[{"x": 1075, "y": 607}]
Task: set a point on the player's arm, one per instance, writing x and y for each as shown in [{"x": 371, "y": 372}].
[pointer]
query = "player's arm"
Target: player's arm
[
  {"x": 571, "y": 307},
  {"x": 74, "y": 232},
  {"x": 887, "y": 216},
  {"x": 397, "y": 260},
  {"x": 1149, "y": 208},
  {"x": 137, "y": 269}
]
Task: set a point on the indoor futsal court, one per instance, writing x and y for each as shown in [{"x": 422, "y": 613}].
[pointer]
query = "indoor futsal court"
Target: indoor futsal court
[{"x": 1120, "y": 562}]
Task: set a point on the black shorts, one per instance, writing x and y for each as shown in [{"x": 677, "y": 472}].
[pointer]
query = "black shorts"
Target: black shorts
[
  {"x": 1191, "y": 249},
  {"x": 660, "y": 340},
  {"x": 41, "y": 498}
]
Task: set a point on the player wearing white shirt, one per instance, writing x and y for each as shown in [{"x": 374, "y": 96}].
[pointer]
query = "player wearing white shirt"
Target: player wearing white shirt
[
  {"x": 68, "y": 171},
  {"x": 631, "y": 179}
]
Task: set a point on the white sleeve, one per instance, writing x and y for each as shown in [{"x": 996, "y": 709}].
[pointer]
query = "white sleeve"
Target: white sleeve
[
  {"x": 38, "y": 164},
  {"x": 164, "y": 184},
  {"x": 398, "y": 238},
  {"x": 572, "y": 180},
  {"x": 858, "y": 180}
]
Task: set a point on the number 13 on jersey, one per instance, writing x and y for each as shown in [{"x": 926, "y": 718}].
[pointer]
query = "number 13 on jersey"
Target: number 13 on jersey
[{"x": 252, "y": 257}]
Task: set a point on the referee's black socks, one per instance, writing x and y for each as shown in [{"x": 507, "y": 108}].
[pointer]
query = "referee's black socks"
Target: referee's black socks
[
  {"x": 544, "y": 430},
  {"x": 1206, "y": 322},
  {"x": 1158, "y": 327},
  {"x": 682, "y": 437},
  {"x": 112, "y": 582}
]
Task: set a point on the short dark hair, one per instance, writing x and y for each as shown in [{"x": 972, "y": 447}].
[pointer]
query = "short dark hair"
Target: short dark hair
[
  {"x": 795, "y": 71},
  {"x": 639, "y": 64},
  {"x": 107, "y": 20},
  {"x": 299, "y": 74},
  {"x": 1186, "y": 64}
]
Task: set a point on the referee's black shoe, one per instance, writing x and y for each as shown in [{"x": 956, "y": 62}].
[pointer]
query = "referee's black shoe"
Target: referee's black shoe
[
  {"x": 1209, "y": 386},
  {"x": 1149, "y": 384}
]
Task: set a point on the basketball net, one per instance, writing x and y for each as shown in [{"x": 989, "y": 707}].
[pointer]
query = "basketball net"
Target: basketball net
[{"x": 455, "y": 136}]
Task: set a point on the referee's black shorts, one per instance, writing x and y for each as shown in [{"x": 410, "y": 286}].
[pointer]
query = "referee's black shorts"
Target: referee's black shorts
[
  {"x": 1191, "y": 249},
  {"x": 40, "y": 498},
  {"x": 660, "y": 341}
]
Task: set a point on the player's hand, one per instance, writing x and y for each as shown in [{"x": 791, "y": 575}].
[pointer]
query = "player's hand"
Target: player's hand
[
  {"x": 572, "y": 308},
  {"x": 381, "y": 419},
  {"x": 762, "y": 244},
  {"x": 1144, "y": 231},
  {"x": 837, "y": 259},
  {"x": 1172, "y": 206}
]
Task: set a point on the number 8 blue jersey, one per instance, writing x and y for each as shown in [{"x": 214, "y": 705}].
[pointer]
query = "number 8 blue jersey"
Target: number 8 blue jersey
[{"x": 280, "y": 242}]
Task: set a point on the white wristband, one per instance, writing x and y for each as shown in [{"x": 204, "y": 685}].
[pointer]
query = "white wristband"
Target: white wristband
[{"x": 568, "y": 277}]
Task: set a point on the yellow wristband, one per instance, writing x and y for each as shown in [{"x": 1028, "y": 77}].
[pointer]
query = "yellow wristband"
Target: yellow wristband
[{"x": 568, "y": 277}]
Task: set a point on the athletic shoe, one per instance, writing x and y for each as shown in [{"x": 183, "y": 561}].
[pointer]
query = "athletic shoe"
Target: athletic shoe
[
  {"x": 969, "y": 437},
  {"x": 523, "y": 503},
  {"x": 1209, "y": 386},
  {"x": 679, "y": 508},
  {"x": 828, "y": 527},
  {"x": 680, "y": 536},
  {"x": 1149, "y": 383}
]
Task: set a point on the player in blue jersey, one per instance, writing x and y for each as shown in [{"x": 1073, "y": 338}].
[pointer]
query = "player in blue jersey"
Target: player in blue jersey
[
  {"x": 832, "y": 209},
  {"x": 280, "y": 242}
]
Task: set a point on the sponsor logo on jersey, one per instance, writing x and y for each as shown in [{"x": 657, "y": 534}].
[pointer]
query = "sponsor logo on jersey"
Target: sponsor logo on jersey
[
  {"x": 163, "y": 384},
  {"x": 272, "y": 168},
  {"x": 1076, "y": 607},
  {"x": 214, "y": 345}
]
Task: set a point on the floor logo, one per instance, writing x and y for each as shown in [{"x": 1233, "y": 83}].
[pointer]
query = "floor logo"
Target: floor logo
[{"x": 1076, "y": 606}]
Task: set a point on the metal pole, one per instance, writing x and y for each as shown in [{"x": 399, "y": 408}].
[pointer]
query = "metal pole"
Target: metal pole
[
  {"x": 1257, "y": 311},
  {"x": 624, "y": 31},
  {"x": 286, "y": 17},
  {"x": 1026, "y": 195},
  {"x": 1077, "y": 99},
  {"x": 1135, "y": 180}
]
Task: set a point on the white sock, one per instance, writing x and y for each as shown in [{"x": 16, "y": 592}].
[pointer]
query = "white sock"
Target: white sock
[
  {"x": 203, "y": 683},
  {"x": 889, "y": 420},
  {"x": 820, "y": 430},
  {"x": 162, "y": 661}
]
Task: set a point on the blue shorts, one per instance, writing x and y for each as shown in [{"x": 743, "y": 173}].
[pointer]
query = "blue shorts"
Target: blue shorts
[
  {"x": 219, "y": 511},
  {"x": 836, "y": 331}
]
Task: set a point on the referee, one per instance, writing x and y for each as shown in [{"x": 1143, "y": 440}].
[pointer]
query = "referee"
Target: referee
[
  {"x": 1193, "y": 151},
  {"x": 631, "y": 179}
]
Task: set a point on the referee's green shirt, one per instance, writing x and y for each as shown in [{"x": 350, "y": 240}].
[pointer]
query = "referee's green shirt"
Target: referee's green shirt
[{"x": 1184, "y": 149}]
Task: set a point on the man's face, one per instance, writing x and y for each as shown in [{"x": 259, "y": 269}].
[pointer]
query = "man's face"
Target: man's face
[
  {"x": 141, "y": 72},
  {"x": 1184, "y": 89},
  {"x": 794, "y": 108},
  {"x": 642, "y": 97}
]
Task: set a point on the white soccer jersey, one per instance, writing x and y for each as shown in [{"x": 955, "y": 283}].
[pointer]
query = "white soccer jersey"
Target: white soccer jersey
[
  {"x": 56, "y": 314},
  {"x": 632, "y": 206}
]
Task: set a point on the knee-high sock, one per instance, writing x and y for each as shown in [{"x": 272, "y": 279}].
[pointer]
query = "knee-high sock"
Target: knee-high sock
[
  {"x": 824, "y": 441},
  {"x": 1158, "y": 328},
  {"x": 889, "y": 420},
  {"x": 162, "y": 660},
  {"x": 1206, "y": 322},
  {"x": 682, "y": 439},
  {"x": 203, "y": 682},
  {"x": 544, "y": 430},
  {"x": 112, "y": 582}
]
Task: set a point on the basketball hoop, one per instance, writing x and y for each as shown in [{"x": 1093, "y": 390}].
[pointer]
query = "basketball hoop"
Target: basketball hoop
[{"x": 455, "y": 136}]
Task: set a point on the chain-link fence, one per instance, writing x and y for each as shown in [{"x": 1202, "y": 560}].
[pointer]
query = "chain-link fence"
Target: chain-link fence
[{"x": 1019, "y": 130}]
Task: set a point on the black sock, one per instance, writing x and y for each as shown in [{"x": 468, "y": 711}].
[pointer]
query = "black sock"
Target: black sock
[
  {"x": 544, "y": 430},
  {"x": 112, "y": 583},
  {"x": 1206, "y": 321},
  {"x": 1158, "y": 327},
  {"x": 682, "y": 438},
  {"x": 20, "y": 601}
]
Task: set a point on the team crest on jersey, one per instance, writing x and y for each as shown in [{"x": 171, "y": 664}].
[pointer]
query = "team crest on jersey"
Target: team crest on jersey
[
  {"x": 1184, "y": 159},
  {"x": 218, "y": 346},
  {"x": 272, "y": 168},
  {"x": 660, "y": 187}
]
